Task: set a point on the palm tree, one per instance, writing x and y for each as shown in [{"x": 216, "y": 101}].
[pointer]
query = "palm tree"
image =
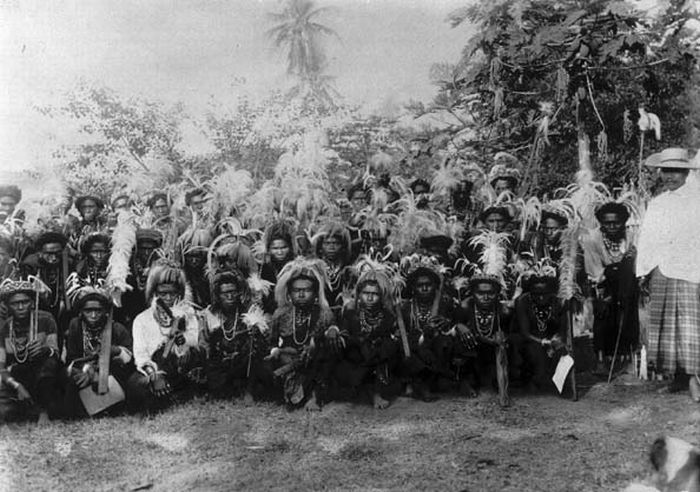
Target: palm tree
[{"x": 299, "y": 35}]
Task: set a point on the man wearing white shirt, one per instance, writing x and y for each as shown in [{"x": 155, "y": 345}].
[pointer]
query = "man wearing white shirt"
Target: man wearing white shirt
[{"x": 669, "y": 261}]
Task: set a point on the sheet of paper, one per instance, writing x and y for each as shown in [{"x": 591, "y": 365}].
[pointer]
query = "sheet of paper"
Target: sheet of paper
[{"x": 566, "y": 362}]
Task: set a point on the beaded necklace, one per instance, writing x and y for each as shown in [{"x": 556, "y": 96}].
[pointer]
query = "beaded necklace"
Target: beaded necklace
[
  {"x": 92, "y": 340},
  {"x": 484, "y": 322},
  {"x": 54, "y": 283},
  {"x": 614, "y": 248},
  {"x": 163, "y": 319},
  {"x": 21, "y": 350},
  {"x": 368, "y": 322},
  {"x": 421, "y": 313},
  {"x": 303, "y": 321},
  {"x": 333, "y": 272},
  {"x": 542, "y": 315},
  {"x": 231, "y": 333}
]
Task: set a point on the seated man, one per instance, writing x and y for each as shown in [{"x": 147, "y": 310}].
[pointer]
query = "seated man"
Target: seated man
[
  {"x": 482, "y": 347},
  {"x": 303, "y": 333},
  {"x": 88, "y": 348},
  {"x": 371, "y": 351},
  {"x": 234, "y": 347},
  {"x": 427, "y": 316},
  {"x": 541, "y": 325},
  {"x": 29, "y": 365},
  {"x": 166, "y": 349}
]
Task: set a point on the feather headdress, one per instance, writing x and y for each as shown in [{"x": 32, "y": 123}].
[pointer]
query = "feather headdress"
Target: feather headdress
[
  {"x": 386, "y": 274},
  {"x": 165, "y": 271},
  {"x": 79, "y": 289},
  {"x": 413, "y": 223},
  {"x": 311, "y": 269},
  {"x": 31, "y": 285},
  {"x": 493, "y": 259},
  {"x": 447, "y": 178},
  {"x": 335, "y": 229}
]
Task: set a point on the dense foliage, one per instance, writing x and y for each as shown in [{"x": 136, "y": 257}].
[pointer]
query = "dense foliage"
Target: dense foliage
[{"x": 537, "y": 74}]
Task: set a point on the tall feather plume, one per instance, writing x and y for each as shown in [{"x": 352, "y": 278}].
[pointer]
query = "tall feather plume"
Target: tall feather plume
[
  {"x": 228, "y": 190},
  {"x": 494, "y": 254},
  {"x": 447, "y": 177},
  {"x": 122, "y": 244}
]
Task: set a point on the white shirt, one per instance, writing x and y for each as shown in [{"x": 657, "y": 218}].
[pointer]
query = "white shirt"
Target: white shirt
[
  {"x": 148, "y": 336},
  {"x": 670, "y": 234}
]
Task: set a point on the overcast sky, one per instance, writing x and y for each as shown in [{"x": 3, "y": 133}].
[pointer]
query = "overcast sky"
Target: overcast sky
[{"x": 189, "y": 50}]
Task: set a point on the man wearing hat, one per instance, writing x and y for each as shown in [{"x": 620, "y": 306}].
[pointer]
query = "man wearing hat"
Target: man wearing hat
[
  {"x": 668, "y": 264},
  {"x": 10, "y": 196},
  {"x": 86, "y": 344},
  {"x": 29, "y": 363}
]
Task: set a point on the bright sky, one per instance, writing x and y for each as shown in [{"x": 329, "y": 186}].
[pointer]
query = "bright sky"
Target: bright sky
[{"x": 187, "y": 50}]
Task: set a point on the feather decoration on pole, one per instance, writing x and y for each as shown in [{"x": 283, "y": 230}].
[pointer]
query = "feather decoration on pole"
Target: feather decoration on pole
[
  {"x": 122, "y": 244},
  {"x": 255, "y": 318}
]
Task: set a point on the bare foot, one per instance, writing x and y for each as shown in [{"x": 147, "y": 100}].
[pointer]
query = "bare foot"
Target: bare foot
[
  {"x": 43, "y": 419},
  {"x": 248, "y": 398},
  {"x": 379, "y": 402},
  {"x": 312, "y": 405},
  {"x": 409, "y": 390},
  {"x": 504, "y": 401}
]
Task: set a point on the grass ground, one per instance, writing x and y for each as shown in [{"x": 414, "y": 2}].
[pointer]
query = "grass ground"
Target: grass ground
[{"x": 542, "y": 443}]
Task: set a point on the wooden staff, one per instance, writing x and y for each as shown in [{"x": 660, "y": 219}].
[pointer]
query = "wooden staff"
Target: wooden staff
[
  {"x": 570, "y": 348},
  {"x": 104, "y": 357},
  {"x": 617, "y": 341},
  {"x": 501, "y": 367},
  {"x": 64, "y": 276},
  {"x": 435, "y": 308},
  {"x": 34, "y": 321},
  {"x": 402, "y": 330}
]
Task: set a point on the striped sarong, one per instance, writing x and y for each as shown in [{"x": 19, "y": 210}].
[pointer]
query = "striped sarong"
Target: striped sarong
[{"x": 674, "y": 325}]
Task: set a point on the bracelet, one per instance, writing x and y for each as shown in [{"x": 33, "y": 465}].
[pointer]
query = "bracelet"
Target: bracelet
[{"x": 13, "y": 383}]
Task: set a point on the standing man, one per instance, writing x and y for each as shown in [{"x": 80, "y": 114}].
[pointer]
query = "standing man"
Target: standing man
[{"x": 669, "y": 264}]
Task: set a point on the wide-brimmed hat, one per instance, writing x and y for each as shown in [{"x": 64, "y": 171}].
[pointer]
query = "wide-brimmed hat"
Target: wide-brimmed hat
[{"x": 673, "y": 157}]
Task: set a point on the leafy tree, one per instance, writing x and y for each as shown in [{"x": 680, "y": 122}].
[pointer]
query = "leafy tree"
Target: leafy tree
[{"x": 538, "y": 74}]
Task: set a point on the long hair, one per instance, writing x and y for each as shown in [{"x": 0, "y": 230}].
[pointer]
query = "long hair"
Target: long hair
[
  {"x": 337, "y": 230},
  {"x": 299, "y": 268},
  {"x": 165, "y": 273},
  {"x": 230, "y": 277}
]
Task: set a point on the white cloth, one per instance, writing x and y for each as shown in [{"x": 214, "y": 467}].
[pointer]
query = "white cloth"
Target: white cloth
[
  {"x": 670, "y": 234},
  {"x": 148, "y": 336}
]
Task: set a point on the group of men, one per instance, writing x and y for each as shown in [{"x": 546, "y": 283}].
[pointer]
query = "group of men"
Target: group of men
[{"x": 103, "y": 313}]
